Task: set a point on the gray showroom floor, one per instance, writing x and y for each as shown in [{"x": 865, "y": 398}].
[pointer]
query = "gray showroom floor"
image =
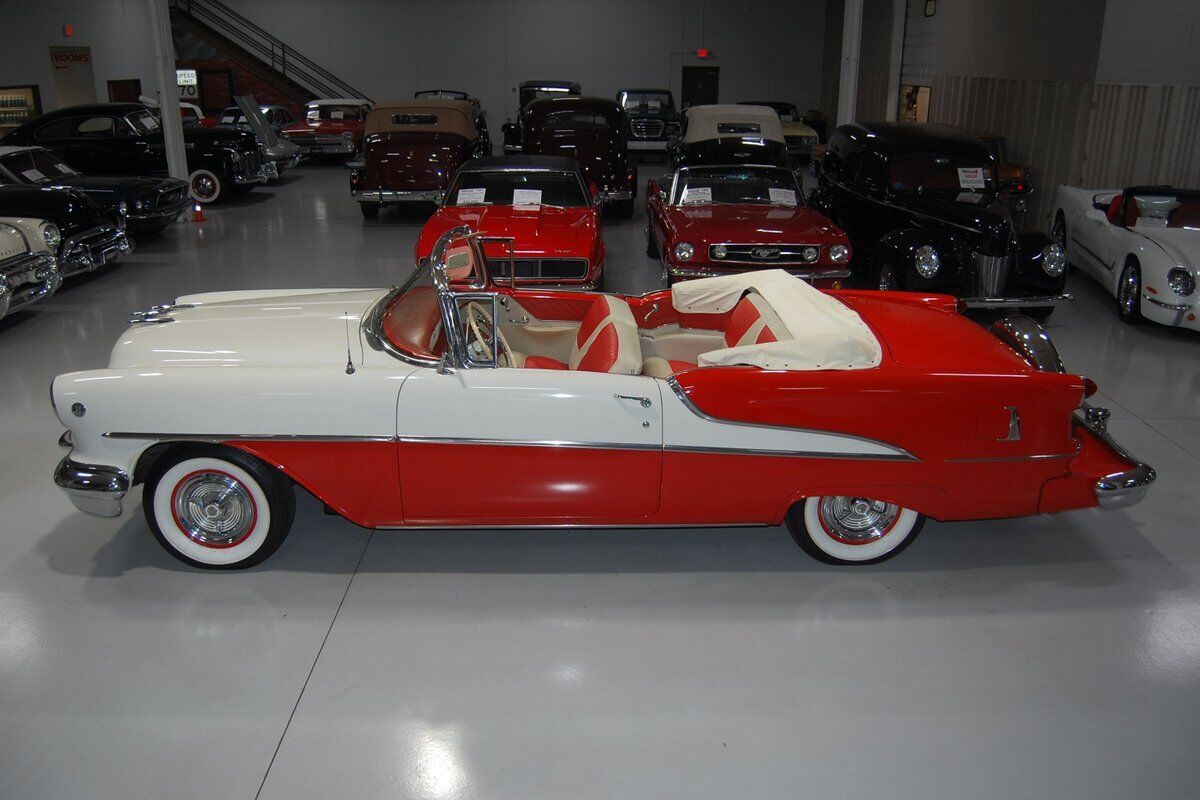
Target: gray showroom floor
[{"x": 1035, "y": 658}]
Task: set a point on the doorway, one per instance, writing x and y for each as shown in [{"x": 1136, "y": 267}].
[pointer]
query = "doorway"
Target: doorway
[
  {"x": 914, "y": 104},
  {"x": 125, "y": 91},
  {"x": 699, "y": 86},
  {"x": 73, "y": 81}
]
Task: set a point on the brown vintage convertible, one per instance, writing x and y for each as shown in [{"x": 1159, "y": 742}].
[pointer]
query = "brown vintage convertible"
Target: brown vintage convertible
[{"x": 411, "y": 150}]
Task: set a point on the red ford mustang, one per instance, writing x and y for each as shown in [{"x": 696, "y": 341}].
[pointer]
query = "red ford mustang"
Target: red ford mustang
[
  {"x": 704, "y": 221},
  {"x": 538, "y": 203}
]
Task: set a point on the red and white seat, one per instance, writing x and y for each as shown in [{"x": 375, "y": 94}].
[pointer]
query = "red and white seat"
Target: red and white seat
[
  {"x": 753, "y": 321},
  {"x": 607, "y": 341}
]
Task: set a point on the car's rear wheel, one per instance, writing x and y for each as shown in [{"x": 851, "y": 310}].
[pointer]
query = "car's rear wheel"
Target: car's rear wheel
[
  {"x": 1129, "y": 293},
  {"x": 218, "y": 508},
  {"x": 852, "y": 530},
  {"x": 206, "y": 186},
  {"x": 370, "y": 210}
]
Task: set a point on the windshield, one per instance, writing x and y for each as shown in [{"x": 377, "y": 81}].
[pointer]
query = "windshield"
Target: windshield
[
  {"x": 1163, "y": 209},
  {"x": 35, "y": 166},
  {"x": 645, "y": 101},
  {"x": 786, "y": 111},
  {"x": 531, "y": 93},
  {"x": 143, "y": 122},
  {"x": 725, "y": 185},
  {"x": 315, "y": 113},
  {"x": 442, "y": 94},
  {"x": 517, "y": 188},
  {"x": 925, "y": 173},
  {"x": 577, "y": 121}
]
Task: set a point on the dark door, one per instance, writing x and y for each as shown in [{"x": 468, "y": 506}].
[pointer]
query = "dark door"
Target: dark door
[
  {"x": 125, "y": 91},
  {"x": 699, "y": 86},
  {"x": 216, "y": 89}
]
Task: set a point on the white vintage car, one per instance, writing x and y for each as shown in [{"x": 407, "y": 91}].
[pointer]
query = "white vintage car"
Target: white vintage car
[
  {"x": 1142, "y": 244},
  {"x": 28, "y": 265}
]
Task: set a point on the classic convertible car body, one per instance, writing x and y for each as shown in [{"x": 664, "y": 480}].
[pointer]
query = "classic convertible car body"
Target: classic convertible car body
[
  {"x": 705, "y": 221},
  {"x": 729, "y": 135},
  {"x": 330, "y": 127},
  {"x": 1142, "y": 244},
  {"x": 466, "y": 403},
  {"x": 536, "y": 217},
  {"x": 28, "y": 265}
]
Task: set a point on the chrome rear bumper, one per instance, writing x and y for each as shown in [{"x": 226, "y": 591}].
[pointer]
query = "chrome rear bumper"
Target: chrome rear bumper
[
  {"x": 390, "y": 196},
  {"x": 93, "y": 489},
  {"x": 1017, "y": 302},
  {"x": 1123, "y": 488}
]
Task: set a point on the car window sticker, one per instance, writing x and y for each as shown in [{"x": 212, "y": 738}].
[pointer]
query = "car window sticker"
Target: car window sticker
[
  {"x": 468, "y": 197},
  {"x": 783, "y": 197},
  {"x": 697, "y": 194},
  {"x": 33, "y": 175},
  {"x": 527, "y": 197},
  {"x": 971, "y": 178}
]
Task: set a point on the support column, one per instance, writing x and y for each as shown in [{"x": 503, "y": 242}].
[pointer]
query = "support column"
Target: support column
[
  {"x": 168, "y": 94},
  {"x": 896, "y": 65},
  {"x": 851, "y": 43}
]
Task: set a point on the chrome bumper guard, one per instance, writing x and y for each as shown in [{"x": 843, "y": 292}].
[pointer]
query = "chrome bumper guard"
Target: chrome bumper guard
[
  {"x": 93, "y": 249},
  {"x": 389, "y": 196},
  {"x": 621, "y": 194},
  {"x": 257, "y": 177},
  {"x": 1123, "y": 488},
  {"x": 1017, "y": 302},
  {"x": 93, "y": 489},
  {"x": 824, "y": 273}
]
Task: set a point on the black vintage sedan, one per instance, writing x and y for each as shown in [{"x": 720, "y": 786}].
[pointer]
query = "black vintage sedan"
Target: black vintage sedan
[
  {"x": 729, "y": 135},
  {"x": 90, "y": 236},
  {"x": 127, "y": 139},
  {"x": 148, "y": 204},
  {"x": 920, "y": 204}
]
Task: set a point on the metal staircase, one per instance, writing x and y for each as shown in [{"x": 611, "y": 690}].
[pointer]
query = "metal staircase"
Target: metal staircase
[{"x": 233, "y": 34}]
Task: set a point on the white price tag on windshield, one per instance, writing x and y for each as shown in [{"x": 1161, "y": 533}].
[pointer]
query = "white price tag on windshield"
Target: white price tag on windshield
[
  {"x": 226, "y": 120},
  {"x": 971, "y": 178},
  {"x": 970, "y": 197},
  {"x": 527, "y": 197},
  {"x": 782, "y": 197},
  {"x": 337, "y": 114},
  {"x": 33, "y": 175},
  {"x": 654, "y": 104},
  {"x": 697, "y": 194},
  {"x": 467, "y": 197},
  {"x": 65, "y": 170}
]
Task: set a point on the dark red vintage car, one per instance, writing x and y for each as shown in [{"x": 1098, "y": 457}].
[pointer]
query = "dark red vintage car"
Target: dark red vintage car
[
  {"x": 411, "y": 150},
  {"x": 536, "y": 217},
  {"x": 592, "y": 131},
  {"x": 330, "y": 127},
  {"x": 704, "y": 221}
]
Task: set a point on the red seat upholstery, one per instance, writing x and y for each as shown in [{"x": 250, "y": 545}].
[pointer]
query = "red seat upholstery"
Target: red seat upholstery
[
  {"x": 754, "y": 322},
  {"x": 543, "y": 362},
  {"x": 607, "y": 341},
  {"x": 1114, "y": 210}
]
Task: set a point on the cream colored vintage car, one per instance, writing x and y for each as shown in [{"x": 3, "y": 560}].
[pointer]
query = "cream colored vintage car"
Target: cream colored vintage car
[
  {"x": 799, "y": 135},
  {"x": 28, "y": 266}
]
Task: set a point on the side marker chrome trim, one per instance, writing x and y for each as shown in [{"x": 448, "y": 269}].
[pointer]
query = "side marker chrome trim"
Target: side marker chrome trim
[{"x": 228, "y": 437}]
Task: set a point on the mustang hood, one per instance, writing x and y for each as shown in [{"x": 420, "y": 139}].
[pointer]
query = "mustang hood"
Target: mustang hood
[
  {"x": 251, "y": 329},
  {"x": 760, "y": 224},
  {"x": 71, "y": 209},
  {"x": 1180, "y": 244},
  {"x": 536, "y": 230}
]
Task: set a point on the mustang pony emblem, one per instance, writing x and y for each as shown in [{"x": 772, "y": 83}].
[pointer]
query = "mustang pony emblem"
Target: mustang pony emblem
[{"x": 764, "y": 253}]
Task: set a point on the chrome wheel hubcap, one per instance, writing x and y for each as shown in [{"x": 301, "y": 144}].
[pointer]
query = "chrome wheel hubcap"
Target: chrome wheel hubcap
[
  {"x": 857, "y": 520},
  {"x": 214, "y": 509},
  {"x": 1129, "y": 290},
  {"x": 204, "y": 187}
]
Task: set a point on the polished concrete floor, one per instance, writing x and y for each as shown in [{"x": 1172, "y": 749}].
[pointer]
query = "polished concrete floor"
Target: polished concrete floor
[{"x": 1036, "y": 658}]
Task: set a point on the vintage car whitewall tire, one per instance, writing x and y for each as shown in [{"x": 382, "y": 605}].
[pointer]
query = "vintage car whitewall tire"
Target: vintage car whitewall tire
[
  {"x": 852, "y": 530},
  {"x": 218, "y": 509},
  {"x": 206, "y": 186}
]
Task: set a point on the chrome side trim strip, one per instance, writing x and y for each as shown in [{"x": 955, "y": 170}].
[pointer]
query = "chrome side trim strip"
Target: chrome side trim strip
[
  {"x": 571, "y": 526},
  {"x": 529, "y": 442},
  {"x": 1000, "y": 459},
  {"x": 227, "y": 437},
  {"x": 745, "y": 451},
  {"x": 898, "y": 453}
]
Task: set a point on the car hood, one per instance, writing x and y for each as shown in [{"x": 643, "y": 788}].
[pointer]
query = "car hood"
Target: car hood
[
  {"x": 70, "y": 209},
  {"x": 797, "y": 129},
  {"x": 536, "y": 230},
  {"x": 946, "y": 209},
  {"x": 759, "y": 224},
  {"x": 120, "y": 186},
  {"x": 1180, "y": 244},
  {"x": 325, "y": 126},
  {"x": 285, "y": 327}
]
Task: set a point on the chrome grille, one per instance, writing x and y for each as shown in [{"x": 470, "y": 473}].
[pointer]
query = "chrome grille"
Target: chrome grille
[
  {"x": 782, "y": 254},
  {"x": 647, "y": 128},
  {"x": 249, "y": 162},
  {"x": 540, "y": 268},
  {"x": 991, "y": 273}
]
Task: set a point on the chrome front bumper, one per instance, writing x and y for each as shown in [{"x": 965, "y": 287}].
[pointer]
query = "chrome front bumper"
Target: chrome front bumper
[
  {"x": 804, "y": 273},
  {"x": 1017, "y": 302},
  {"x": 257, "y": 177},
  {"x": 389, "y": 196},
  {"x": 93, "y": 489},
  {"x": 1118, "y": 489},
  {"x": 92, "y": 249},
  {"x": 318, "y": 147},
  {"x": 619, "y": 194},
  {"x": 26, "y": 279}
]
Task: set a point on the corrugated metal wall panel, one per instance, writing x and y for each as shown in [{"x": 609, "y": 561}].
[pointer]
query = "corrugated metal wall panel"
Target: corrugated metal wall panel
[
  {"x": 1143, "y": 134},
  {"x": 920, "y": 45}
]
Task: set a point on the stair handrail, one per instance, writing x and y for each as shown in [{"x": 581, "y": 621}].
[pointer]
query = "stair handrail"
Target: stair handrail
[{"x": 267, "y": 47}]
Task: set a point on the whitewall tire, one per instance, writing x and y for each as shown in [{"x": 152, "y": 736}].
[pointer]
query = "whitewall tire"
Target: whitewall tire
[
  {"x": 218, "y": 508},
  {"x": 206, "y": 186},
  {"x": 852, "y": 530}
]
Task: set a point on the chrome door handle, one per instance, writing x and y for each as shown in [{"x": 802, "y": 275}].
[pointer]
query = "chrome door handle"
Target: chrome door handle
[
  {"x": 645, "y": 401},
  {"x": 524, "y": 320}
]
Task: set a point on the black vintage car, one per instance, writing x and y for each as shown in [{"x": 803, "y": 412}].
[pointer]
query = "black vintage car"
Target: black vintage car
[
  {"x": 148, "y": 204},
  {"x": 127, "y": 139},
  {"x": 91, "y": 236},
  {"x": 727, "y": 134},
  {"x": 653, "y": 118},
  {"x": 527, "y": 92},
  {"x": 920, "y": 204},
  {"x": 592, "y": 131}
]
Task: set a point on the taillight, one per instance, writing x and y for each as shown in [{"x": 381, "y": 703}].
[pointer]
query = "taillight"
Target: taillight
[{"x": 1089, "y": 387}]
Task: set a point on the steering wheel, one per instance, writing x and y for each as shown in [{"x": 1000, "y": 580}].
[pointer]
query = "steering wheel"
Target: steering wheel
[{"x": 477, "y": 318}]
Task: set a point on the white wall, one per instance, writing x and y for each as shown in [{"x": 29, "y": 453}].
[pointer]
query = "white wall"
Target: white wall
[
  {"x": 1150, "y": 42},
  {"x": 117, "y": 31}
]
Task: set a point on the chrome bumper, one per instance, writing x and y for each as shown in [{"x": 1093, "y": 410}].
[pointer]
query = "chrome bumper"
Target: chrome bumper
[
  {"x": 620, "y": 194},
  {"x": 824, "y": 273},
  {"x": 93, "y": 489},
  {"x": 389, "y": 196},
  {"x": 257, "y": 177},
  {"x": 92, "y": 249},
  {"x": 1017, "y": 302},
  {"x": 330, "y": 147},
  {"x": 647, "y": 144},
  {"x": 26, "y": 279},
  {"x": 1122, "y": 488}
]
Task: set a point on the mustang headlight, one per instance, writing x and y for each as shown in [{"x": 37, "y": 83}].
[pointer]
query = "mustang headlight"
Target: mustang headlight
[
  {"x": 684, "y": 251},
  {"x": 141, "y": 205},
  {"x": 1181, "y": 281},
  {"x": 926, "y": 260},
  {"x": 1054, "y": 260},
  {"x": 52, "y": 235},
  {"x": 122, "y": 208},
  {"x": 839, "y": 253}
]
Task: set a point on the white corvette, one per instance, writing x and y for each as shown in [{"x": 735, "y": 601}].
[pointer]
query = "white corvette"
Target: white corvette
[{"x": 1142, "y": 244}]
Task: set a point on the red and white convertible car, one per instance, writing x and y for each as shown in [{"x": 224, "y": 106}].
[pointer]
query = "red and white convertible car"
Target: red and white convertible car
[
  {"x": 536, "y": 216},
  {"x": 752, "y": 399}
]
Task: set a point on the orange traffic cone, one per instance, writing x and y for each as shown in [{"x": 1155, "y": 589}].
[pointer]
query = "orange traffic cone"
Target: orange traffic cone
[{"x": 198, "y": 213}]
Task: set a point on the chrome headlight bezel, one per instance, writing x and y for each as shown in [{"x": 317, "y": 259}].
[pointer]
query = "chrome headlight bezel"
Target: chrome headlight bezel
[
  {"x": 52, "y": 236},
  {"x": 142, "y": 204},
  {"x": 684, "y": 251},
  {"x": 1054, "y": 260},
  {"x": 839, "y": 253},
  {"x": 926, "y": 261},
  {"x": 123, "y": 208},
  {"x": 1181, "y": 280}
]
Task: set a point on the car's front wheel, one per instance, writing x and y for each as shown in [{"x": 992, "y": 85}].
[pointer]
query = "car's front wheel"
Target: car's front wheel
[
  {"x": 1129, "y": 293},
  {"x": 206, "y": 186},
  {"x": 852, "y": 530},
  {"x": 218, "y": 508}
]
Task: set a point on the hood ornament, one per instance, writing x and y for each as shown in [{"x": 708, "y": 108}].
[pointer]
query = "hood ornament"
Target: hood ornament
[{"x": 155, "y": 314}]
